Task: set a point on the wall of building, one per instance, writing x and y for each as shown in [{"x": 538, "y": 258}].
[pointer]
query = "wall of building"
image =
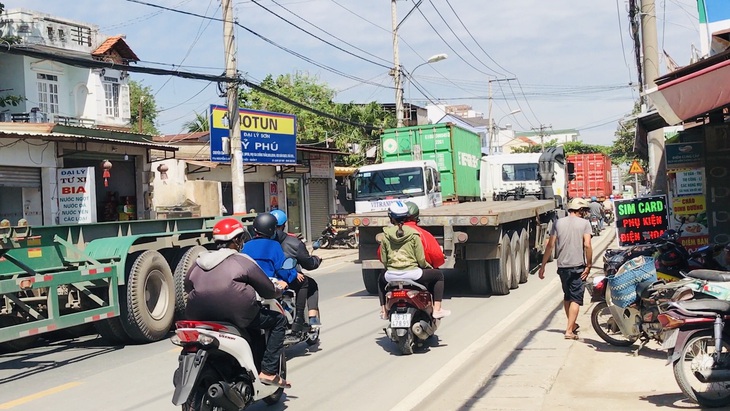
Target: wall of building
[{"x": 206, "y": 194}]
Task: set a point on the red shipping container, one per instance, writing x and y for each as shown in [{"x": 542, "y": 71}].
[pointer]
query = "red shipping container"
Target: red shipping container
[{"x": 592, "y": 176}]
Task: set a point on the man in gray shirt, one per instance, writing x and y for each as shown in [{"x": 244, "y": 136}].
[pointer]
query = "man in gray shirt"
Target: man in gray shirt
[{"x": 573, "y": 237}]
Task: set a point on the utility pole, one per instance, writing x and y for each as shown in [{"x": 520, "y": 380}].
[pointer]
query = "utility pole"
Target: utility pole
[
  {"x": 396, "y": 72},
  {"x": 492, "y": 131},
  {"x": 650, "y": 63},
  {"x": 234, "y": 125},
  {"x": 139, "y": 114},
  {"x": 541, "y": 132}
]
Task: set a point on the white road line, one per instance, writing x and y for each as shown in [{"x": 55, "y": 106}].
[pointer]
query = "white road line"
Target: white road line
[{"x": 439, "y": 377}]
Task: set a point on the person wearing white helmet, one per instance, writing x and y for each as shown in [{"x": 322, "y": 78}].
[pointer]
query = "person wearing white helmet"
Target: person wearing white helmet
[
  {"x": 404, "y": 257},
  {"x": 572, "y": 237}
]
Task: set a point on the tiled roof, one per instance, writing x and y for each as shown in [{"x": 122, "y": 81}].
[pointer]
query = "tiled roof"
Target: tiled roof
[{"x": 115, "y": 43}]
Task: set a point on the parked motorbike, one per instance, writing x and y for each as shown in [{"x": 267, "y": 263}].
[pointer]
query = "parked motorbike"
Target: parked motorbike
[
  {"x": 332, "y": 236},
  {"x": 699, "y": 349},
  {"x": 219, "y": 364},
  {"x": 410, "y": 309}
]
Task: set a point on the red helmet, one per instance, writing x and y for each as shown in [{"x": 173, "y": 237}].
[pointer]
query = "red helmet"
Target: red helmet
[{"x": 227, "y": 229}]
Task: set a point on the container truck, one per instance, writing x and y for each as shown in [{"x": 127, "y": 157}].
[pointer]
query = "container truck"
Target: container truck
[
  {"x": 426, "y": 164},
  {"x": 591, "y": 176},
  {"x": 125, "y": 278}
]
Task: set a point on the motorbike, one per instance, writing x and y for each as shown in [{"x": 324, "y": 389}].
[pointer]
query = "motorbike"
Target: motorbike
[
  {"x": 410, "y": 310},
  {"x": 332, "y": 236},
  {"x": 219, "y": 364},
  {"x": 608, "y": 213},
  {"x": 698, "y": 348},
  {"x": 595, "y": 227},
  {"x": 286, "y": 304}
]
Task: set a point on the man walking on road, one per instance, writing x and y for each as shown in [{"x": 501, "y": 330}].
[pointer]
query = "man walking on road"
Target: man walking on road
[{"x": 575, "y": 254}]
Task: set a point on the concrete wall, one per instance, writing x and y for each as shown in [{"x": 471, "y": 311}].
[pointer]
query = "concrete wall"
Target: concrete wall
[{"x": 207, "y": 194}]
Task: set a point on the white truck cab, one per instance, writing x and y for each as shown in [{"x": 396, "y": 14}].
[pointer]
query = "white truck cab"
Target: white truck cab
[{"x": 376, "y": 186}]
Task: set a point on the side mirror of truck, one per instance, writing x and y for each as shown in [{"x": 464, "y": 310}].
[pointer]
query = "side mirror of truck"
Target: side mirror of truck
[{"x": 348, "y": 188}]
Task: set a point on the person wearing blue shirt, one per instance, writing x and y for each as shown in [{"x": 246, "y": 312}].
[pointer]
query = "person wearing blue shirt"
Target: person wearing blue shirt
[{"x": 269, "y": 255}]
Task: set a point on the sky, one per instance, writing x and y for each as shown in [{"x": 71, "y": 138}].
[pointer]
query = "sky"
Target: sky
[{"x": 564, "y": 64}]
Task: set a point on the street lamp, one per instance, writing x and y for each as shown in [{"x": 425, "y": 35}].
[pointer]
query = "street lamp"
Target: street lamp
[
  {"x": 494, "y": 131},
  {"x": 433, "y": 59}
]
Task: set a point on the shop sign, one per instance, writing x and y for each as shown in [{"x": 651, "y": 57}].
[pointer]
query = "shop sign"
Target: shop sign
[
  {"x": 683, "y": 155},
  {"x": 693, "y": 210},
  {"x": 76, "y": 195},
  {"x": 320, "y": 166},
  {"x": 640, "y": 220},
  {"x": 689, "y": 182},
  {"x": 266, "y": 137}
]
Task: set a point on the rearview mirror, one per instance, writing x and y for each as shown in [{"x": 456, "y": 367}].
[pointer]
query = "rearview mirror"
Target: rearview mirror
[{"x": 289, "y": 263}]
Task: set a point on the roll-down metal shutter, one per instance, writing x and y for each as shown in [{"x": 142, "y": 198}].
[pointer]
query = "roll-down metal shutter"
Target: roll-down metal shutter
[
  {"x": 20, "y": 177},
  {"x": 319, "y": 204}
]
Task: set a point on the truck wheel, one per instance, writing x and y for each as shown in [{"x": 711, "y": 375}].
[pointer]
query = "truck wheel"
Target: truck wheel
[
  {"x": 187, "y": 261},
  {"x": 500, "y": 271},
  {"x": 112, "y": 331},
  {"x": 523, "y": 257},
  {"x": 148, "y": 300},
  {"x": 370, "y": 279},
  {"x": 514, "y": 261},
  {"x": 478, "y": 276}
]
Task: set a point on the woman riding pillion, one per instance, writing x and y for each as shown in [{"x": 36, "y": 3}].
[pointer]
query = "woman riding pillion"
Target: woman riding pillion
[{"x": 404, "y": 258}]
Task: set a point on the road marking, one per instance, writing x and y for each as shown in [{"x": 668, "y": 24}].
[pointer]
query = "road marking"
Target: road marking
[
  {"x": 29, "y": 398},
  {"x": 439, "y": 377}
]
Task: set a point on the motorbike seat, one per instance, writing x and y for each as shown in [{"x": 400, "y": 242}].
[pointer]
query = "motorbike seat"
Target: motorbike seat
[
  {"x": 645, "y": 288},
  {"x": 710, "y": 275},
  {"x": 392, "y": 285},
  {"x": 707, "y": 305}
]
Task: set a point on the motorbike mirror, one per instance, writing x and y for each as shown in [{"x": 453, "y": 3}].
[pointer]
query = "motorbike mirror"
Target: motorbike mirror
[
  {"x": 289, "y": 263},
  {"x": 316, "y": 245}
]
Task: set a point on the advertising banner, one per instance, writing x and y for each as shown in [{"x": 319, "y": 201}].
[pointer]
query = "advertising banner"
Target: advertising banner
[
  {"x": 76, "y": 195},
  {"x": 640, "y": 220},
  {"x": 266, "y": 138},
  {"x": 684, "y": 155}
]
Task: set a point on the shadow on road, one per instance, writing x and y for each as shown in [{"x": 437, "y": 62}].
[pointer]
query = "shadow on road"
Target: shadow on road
[
  {"x": 601, "y": 346},
  {"x": 677, "y": 401}
]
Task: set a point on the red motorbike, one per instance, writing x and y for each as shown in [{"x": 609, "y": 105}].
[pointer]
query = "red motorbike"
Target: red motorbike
[{"x": 410, "y": 309}]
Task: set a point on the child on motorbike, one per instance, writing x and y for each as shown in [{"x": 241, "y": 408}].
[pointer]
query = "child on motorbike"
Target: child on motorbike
[{"x": 404, "y": 258}]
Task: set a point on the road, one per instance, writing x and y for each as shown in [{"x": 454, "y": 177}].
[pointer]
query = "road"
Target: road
[{"x": 355, "y": 367}]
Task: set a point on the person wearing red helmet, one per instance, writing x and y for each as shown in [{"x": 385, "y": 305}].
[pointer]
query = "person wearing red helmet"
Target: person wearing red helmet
[{"x": 222, "y": 286}]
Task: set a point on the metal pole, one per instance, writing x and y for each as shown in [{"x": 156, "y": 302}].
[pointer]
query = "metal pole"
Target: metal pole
[
  {"x": 491, "y": 121},
  {"x": 139, "y": 114},
  {"x": 234, "y": 125},
  {"x": 397, "y": 69}
]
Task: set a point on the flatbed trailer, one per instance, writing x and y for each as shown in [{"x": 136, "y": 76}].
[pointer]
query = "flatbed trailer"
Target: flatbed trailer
[
  {"x": 497, "y": 242},
  {"x": 125, "y": 278}
]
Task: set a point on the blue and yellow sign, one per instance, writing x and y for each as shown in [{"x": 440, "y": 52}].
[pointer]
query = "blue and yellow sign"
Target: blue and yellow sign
[{"x": 266, "y": 138}]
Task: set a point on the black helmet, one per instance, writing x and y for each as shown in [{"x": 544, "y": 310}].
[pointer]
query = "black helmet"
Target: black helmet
[
  {"x": 265, "y": 225},
  {"x": 413, "y": 211}
]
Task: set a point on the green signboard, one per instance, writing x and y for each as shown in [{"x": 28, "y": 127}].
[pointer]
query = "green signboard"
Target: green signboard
[
  {"x": 640, "y": 220},
  {"x": 684, "y": 155}
]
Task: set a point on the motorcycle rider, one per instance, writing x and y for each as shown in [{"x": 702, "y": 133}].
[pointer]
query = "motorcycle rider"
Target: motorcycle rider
[
  {"x": 222, "y": 286},
  {"x": 295, "y": 248},
  {"x": 269, "y": 255},
  {"x": 596, "y": 210},
  {"x": 608, "y": 207},
  {"x": 404, "y": 257}
]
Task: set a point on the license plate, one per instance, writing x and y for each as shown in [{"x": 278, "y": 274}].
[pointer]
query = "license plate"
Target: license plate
[
  {"x": 400, "y": 320},
  {"x": 670, "y": 339}
]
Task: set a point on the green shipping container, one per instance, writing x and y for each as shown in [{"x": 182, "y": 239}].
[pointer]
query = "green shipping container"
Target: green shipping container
[{"x": 456, "y": 151}]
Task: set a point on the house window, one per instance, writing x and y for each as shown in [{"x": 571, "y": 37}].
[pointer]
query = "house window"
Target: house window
[
  {"x": 47, "y": 93},
  {"x": 111, "y": 96}
]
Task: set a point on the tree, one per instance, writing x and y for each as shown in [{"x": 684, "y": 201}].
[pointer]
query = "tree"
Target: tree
[
  {"x": 536, "y": 148},
  {"x": 9, "y": 100},
  {"x": 313, "y": 127},
  {"x": 622, "y": 151},
  {"x": 199, "y": 123},
  {"x": 139, "y": 94}
]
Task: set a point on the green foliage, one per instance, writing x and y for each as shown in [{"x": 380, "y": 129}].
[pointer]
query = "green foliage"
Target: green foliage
[
  {"x": 139, "y": 93},
  {"x": 11, "y": 100},
  {"x": 578, "y": 147},
  {"x": 199, "y": 123},
  {"x": 313, "y": 128},
  {"x": 622, "y": 151},
  {"x": 535, "y": 148}
]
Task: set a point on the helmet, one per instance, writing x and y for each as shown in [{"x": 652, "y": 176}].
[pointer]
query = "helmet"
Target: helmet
[
  {"x": 280, "y": 217},
  {"x": 413, "y": 210},
  {"x": 594, "y": 199},
  {"x": 264, "y": 225},
  {"x": 398, "y": 211},
  {"x": 227, "y": 229},
  {"x": 611, "y": 196},
  {"x": 577, "y": 204}
]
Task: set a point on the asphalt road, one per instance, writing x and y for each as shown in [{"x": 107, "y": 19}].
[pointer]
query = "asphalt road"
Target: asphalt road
[{"x": 355, "y": 367}]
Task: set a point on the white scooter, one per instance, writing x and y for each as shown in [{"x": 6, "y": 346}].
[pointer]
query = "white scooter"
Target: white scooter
[{"x": 219, "y": 364}]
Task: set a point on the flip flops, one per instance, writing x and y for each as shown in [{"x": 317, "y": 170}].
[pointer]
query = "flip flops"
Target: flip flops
[
  {"x": 276, "y": 381},
  {"x": 575, "y": 329},
  {"x": 441, "y": 313},
  {"x": 571, "y": 337}
]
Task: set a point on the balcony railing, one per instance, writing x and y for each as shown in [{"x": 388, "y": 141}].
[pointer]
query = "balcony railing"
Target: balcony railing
[{"x": 38, "y": 117}]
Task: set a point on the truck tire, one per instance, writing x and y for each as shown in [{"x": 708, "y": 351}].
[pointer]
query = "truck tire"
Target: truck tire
[
  {"x": 112, "y": 331},
  {"x": 148, "y": 300},
  {"x": 478, "y": 276},
  {"x": 187, "y": 261},
  {"x": 514, "y": 257},
  {"x": 370, "y": 279},
  {"x": 523, "y": 257},
  {"x": 500, "y": 271}
]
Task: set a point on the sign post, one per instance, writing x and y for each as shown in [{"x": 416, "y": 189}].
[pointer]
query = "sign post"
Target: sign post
[{"x": 636, "y": 169}]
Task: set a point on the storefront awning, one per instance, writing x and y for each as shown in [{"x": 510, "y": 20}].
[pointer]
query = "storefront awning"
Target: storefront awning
[
  {"x": 202, "y": 163},
  {"x": 693, "y": 90},
  {"x": 344, "y": 171},
  {"x": 62, "y": 137}
]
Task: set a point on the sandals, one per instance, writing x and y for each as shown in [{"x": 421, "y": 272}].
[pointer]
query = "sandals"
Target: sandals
[
  {"x": 441, "y": 313},
  {"x": 276, "y": 381},
  {"x": 575, "y": 329},
  {"x": 571, "y": 337}
]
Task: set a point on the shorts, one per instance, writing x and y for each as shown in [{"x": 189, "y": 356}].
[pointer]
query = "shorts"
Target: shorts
[{"x": 573, "y": 286}]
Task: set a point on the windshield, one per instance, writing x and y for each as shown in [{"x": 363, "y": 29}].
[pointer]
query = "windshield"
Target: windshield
[
  {"x": 401, "y": 182},
  {"x": 519, "y": 172}
]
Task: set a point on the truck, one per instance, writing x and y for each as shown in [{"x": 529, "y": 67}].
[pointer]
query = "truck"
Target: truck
[
  {"x": 591, "y": 176},
  {"x": 125, "y": 278},
  {"x": 496, "y": 242},
  {"x": 427, "y": 164}
]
